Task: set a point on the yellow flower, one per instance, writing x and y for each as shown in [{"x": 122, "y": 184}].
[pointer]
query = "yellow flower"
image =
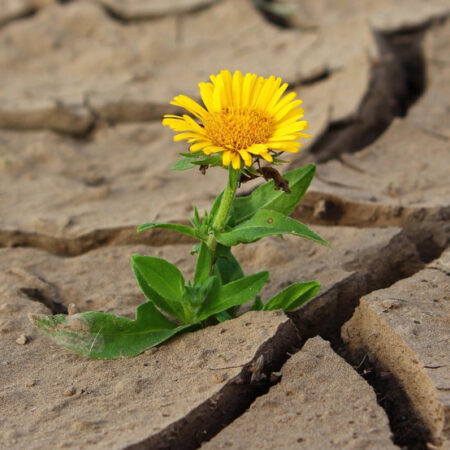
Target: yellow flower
[{"x": 243, "y": 116}]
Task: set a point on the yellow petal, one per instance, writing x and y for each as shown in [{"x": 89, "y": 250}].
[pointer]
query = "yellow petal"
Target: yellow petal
[
  {"x": 187, "y": 136},
  {"x": 237, "y": 88},
  {"x": 227, "y": 94},
  {"x": 206, "y": 92},
  {"x": 280, "y": 91},
  {"x": 192, "y": 106},
  {"x": 257, "y": 149},
  {"x": 267, "y": 156},
  {"x": 199, "y": 146},
  {"x": 286, "y": 109},
  {"x": 247, "y": 88},
  {"x": 288, "y": 98},
  {"x": 236, "y": 160},
  {"x": 248, "y": 160},
  {"x": 226, "y": 158}
]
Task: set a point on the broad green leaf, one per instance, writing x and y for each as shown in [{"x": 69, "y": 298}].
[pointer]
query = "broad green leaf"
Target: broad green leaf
[
  {"x": 227, "y": 265},
  {"x": 107, "y": 336},
  {"x": 203, "y": 267},
  {"x": 293, "y": 296},
  {"x": 257, "y": 304},
  {"x": 166, "y": 280},
  {"x": 183, "y": 229},
  {"x": 234, "y": 294},
  {"x": 161, "y": 275},
  {"x": 151, "y": 294},
  {"x": 265, "y": 196},
  {"x": 267, "y": 222}
]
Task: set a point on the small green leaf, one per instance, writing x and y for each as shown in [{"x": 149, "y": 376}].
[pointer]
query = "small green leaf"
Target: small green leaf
[
  {"x": 183, "y": 229},
  {"x": 267, "y": 222},
  {"x": 265, "y": 196},
  {"x": 293, "y": 296},
  {"x": 215, "y": 207},
  {"x": 107, "y": 336},
  {"x": 196, "y": 219},
  {"x": 257, "y": 304},
  {"x": 233, "y": 294},
  {"x": 227, "y": 265},
  {"x": 203, "y": 267}
]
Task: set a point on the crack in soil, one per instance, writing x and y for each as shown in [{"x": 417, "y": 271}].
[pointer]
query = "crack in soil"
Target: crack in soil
[
  {"x": 36, "y": 295},
  {"x": 397, "y": 81},
  {"x": 232, "y": 400}
]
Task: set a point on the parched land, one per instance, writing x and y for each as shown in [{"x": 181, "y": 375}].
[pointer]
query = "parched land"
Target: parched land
[{"x": 84, "y": 160}]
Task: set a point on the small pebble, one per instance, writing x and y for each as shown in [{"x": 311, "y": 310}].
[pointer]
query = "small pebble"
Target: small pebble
[
  {"x": 219, "y": 377},
  {"x": 69, "y": 392},
  {"x": 72, "y": 309},
  {"x": 30, "y": 383},
  {"x": 390, "y": 304},
  {"x": 152, "y": 351},
  {"x": 22, "y": 340}
]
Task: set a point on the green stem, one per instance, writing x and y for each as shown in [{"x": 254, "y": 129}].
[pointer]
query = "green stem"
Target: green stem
[{"x": 224, "y": 208}]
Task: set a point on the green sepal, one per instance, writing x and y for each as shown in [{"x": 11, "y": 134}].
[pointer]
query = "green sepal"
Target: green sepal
[
  {"x": 233, "y": 294},
  {"x": 266, "y": 222},
  {"x": 293, "y": 296},
  {"x": 107, "y": 336},
  {"x": 265, "y": 196}
]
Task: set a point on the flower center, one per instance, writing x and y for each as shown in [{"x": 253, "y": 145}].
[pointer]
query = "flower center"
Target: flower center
[{"x": 238, "y": 128}]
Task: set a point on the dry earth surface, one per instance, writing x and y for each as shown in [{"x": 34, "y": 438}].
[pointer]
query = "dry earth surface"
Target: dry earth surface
[{"x": 84, "y": 161}]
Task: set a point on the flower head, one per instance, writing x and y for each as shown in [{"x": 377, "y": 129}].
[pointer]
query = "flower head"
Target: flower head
[{"x": 243, "y": 117}]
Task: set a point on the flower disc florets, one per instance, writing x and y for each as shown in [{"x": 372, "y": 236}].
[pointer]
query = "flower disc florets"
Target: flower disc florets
[{"x": 243, "y": 117}]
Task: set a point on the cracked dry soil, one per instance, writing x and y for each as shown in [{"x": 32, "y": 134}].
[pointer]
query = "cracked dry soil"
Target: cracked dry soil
[{"x": 84, "y": 160}]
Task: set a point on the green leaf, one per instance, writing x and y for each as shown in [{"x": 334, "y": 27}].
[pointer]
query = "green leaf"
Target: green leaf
[
  {"x": 215, "y": 207},
  {"x": 233, "y": 294},
  {"x": 161, "y": 275},
  {"x": 293, "y": 296},
  {"x": 257, "y": 304},
  {"x": 183, "y": 229},
  {"x": 265, "y": 196},
  {"x": 196, "y": 219},
  {"x": 183, "y": 164},
  {"x": 267, "y": 222},
  {"x": 150, "y": 293},
  {"x": 223, "y": 316},
  {"x": 167, "y": 281},
  {"x": 196, "y": 159},
  {"x": 107, "y": 336},
  {"x": 213, "y": 160},
  {"x": 203, "y": 267},
  {"x": 227, "y": 265}
]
